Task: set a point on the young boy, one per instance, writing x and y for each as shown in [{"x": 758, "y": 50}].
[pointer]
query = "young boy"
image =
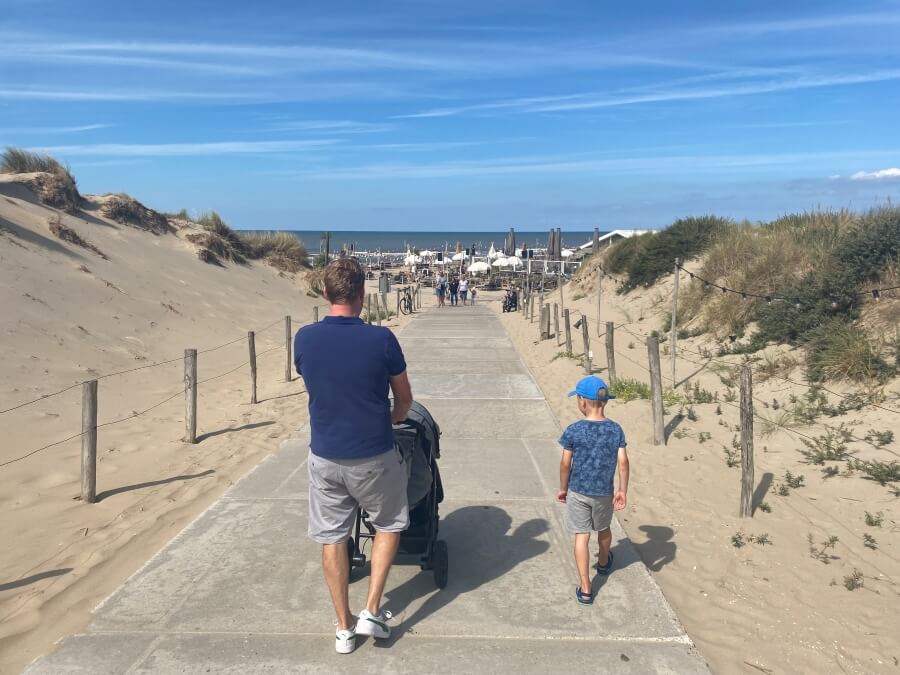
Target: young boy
[{"x": 592, "y": 448}]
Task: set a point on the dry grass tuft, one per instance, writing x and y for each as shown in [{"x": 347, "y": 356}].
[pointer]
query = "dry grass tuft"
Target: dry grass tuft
[
  {"x": 53, "y": 183},
  {"x": 124, "y": 209},
  {"x": 281, "y": 250},
  {"x": 66, "y": 233}
]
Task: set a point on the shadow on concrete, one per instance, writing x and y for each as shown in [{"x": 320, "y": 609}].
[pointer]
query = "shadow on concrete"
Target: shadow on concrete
[
  {"x": 8, "y": 586},
  {"x": 671, "y": 426},
  {"x": 659, "y": 549},
  {"x": 624, "y": 554},
  {"x": 245, "y": 427},
  {"x": 152, "y": 483},
  {"x": 482, "y": 549},
  {"x": 760, "y": 492}
]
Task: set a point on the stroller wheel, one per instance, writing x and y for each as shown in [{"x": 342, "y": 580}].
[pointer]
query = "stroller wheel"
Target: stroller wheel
[{"x": 441, "y": 565}]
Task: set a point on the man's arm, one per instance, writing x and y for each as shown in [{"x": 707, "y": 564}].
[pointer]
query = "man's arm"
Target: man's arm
[
  {"x": 403, "y": 397},
  {"x": 565, "y": 468},
  {"x": 621, "y": 499}
]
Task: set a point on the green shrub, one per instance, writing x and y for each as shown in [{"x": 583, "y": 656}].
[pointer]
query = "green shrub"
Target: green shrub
[
  {"x": 842, "y": 351},
  {"x": 627, "y": 389}
]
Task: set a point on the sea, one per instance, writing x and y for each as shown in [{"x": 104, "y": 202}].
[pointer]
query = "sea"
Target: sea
[{"x": 401, "y": 241}]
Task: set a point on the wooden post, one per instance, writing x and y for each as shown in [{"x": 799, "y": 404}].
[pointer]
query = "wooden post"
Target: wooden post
[
  {"x": 190, "y": 395},
  {"x": 288, "y": 339},
  {"x": 586, "y": 338},
  {"x": 89, "y": 442},
  {"x": 674, "y": 320},
  {"x": 568, "y": 331},
  {"x": 545, "y": 322},
  {"x": 398, "y": 302},
  {"x": 316, "y": 314},
  {"x": 556, "y": 322},
  {"x": 656, "y": 400},
  {"x": 562, "y": 299},
  {"x": 369, "y": 308},
  {"x": 599, "y": 296},
  {"x": 251, "y": 340},
  {"x": 746, "y": 442},
  {"x": 610, "y": 352},
  {"x": 386, "y": 310},
  {"x": 377, "y": 308}
]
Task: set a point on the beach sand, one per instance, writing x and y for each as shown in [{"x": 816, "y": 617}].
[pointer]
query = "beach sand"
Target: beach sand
[
  {"x": 763, "y": 607},
  {"x": 71, "y": 315}
]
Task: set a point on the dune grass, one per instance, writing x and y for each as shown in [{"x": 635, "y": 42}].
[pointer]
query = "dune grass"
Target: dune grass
[
  {"x": 55, "y": 185},
  {"x": 18, "y": 160}
]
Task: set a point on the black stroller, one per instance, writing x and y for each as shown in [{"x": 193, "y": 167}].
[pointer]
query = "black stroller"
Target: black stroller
[
  {"x": 511, "y": 301},
  {"x": 419, "y": 440}
]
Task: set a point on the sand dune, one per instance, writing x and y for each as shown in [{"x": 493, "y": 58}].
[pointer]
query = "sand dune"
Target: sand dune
[
  {"x": 759, "y": 608},
  {"x": 72, "y": 314}
]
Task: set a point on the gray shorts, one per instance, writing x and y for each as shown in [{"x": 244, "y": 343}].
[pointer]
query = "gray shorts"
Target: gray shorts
[
  {"x": 588, "y": 514},
  {"x": 338, "y": 487}
]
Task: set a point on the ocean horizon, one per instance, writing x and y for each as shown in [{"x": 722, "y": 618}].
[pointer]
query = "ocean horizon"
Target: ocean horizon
[{"x": 366, "y": 240}]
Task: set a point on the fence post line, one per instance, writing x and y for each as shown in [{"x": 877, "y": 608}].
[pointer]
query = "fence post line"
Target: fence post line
[
  {"x": 586, "y": 338},
  {"x": 531, "y": 308},
  {"x": 611, "y": 352},
  {"x": 556, "y": 323},
  {"x": 288, "y": 363},
  {"x": 316, "y": 314},
  {"x": 599, "y": 299},
  {"x": 89, "y": 442},
  {"x": 674, "y": 319},
  {"x": 386, "y": 310},
  {"x": 656, "y": 400},
  {"x": 568, "y": 331},
  {"x": 190, "y": 395},
  {"x": 251, "y": 340},
  {"x": 747, "y": 469}
]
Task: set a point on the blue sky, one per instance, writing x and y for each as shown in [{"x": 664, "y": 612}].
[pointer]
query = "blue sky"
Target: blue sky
[{"x": 461, "y": 115}]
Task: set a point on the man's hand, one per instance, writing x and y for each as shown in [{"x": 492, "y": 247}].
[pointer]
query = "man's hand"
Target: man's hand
[
  {"x": 561, "y": 496},
  {"x": 619, "y": 501}
]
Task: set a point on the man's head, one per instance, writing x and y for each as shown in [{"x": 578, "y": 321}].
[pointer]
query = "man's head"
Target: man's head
[{"x": 345, "y": 282}]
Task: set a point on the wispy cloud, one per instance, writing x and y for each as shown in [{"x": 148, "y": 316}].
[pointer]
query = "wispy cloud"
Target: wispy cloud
[
  {"x": 336, "y": 126},
  {"x": 186, "y": 149},
  {"x": 118, "y": 95},
  {"x": 593, "y": 101},
  {"x": 54, "y": 130},
  {"x": 807, "y": 23},
  {"x": 880, "y": 175}
]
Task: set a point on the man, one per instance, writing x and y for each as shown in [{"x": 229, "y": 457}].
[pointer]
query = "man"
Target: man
[{"x": 348, "y": 367}]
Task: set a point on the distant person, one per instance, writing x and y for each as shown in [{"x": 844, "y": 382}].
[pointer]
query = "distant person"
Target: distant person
[
  {"x": 463, "y": 289},
  {"x": 348, "y": 367},
  {"x": 440, "y": 289},
  {"x": 592, "y": 448},
  {"x": 454, "y": 291},
  {"x": 473, "y": 291}
]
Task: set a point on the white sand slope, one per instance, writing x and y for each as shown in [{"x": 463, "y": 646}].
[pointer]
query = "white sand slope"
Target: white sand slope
[{"x": 70, "y": 314}]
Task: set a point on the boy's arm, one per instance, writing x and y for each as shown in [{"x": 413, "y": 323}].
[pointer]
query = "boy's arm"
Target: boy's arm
[
  {"x": 620, "y": 499},
  {"x": 565, "y": 468}
]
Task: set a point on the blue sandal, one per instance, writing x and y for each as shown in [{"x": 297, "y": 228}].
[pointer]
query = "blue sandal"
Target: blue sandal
[
  {"x": 583, "y": 598},
  {"x": 605, "y": 569}
]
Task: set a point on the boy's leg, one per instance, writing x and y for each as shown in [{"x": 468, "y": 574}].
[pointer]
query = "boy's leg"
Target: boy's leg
[
  {"x": 582, "y": 540},
  {"x": 604, "y": 539}
]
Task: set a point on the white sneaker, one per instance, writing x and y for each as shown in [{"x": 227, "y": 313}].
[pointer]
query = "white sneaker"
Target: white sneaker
[
  {"x": 375, "y": 626},
  {"x": 344, "y": 641}
]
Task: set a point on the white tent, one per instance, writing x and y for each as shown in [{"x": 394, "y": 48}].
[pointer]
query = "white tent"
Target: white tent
[
  {"x": 411, "y": 259},
  {"x": 478, "y": 267},
  {"x": 566, "y": 253},
  {"x": 514, "y": 261},
  {"x": 459, "y": 256},
  {"x": 427, "y": 254},
  {"x": 500, "y": 262},
  {"x": 494, "y": 253}
]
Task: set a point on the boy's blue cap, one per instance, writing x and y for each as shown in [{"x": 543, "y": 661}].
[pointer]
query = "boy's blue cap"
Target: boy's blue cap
[{"x": 592, "y": 388}]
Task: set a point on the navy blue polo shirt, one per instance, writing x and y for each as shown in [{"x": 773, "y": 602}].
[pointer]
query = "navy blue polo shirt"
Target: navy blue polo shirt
[{"x": 346, "y": 366}]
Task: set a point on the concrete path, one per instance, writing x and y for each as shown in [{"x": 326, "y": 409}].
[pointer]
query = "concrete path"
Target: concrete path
[{"x": 241, "y": 590}]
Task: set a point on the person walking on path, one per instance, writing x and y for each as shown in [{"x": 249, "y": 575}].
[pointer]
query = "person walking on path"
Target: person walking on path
[
  {"x": 592, "y": 448},
  {"x": 440, "y": 289},
  {"x": 463, "y": 289},
  {"x": 454, "y": 291},
  {"x": 348, "y": 367}
]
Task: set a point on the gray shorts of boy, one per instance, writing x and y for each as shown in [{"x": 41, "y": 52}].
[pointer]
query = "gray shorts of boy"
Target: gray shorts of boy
[
  {"x": 588, "y": 514},
  {"x": 337, "y": 487}
]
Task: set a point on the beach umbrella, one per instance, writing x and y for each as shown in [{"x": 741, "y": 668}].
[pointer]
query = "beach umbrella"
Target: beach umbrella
[
  {"x": 478, "y": 267},
  {"x": 427, "y": 254},
  {"x": 566, "y": 253},
  {"x": 515, "y": 261},
  {"x": 492, "y": 253},
  {"x": 459, "y": 256},
  {"x": 411, "y": 259},
  {"x": 500, "y": 262}
]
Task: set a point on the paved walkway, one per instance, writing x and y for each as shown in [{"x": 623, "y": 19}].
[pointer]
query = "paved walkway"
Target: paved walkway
[{"x": 241, "y": 590}]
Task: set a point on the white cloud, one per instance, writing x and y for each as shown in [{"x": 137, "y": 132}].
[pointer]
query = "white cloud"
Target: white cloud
[
  {"x": 55, "y": 130},
  {"x": 185, "y": 149},
  {"x": 882, "y": 174}
]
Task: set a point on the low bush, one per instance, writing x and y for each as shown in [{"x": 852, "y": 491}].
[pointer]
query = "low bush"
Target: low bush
[
  {"x": 281, "y": 250},
  {"x": 842, "y": 351}
]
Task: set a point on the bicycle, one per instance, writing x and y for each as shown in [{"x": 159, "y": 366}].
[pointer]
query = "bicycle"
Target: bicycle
[{"x": 407, "y": 302}]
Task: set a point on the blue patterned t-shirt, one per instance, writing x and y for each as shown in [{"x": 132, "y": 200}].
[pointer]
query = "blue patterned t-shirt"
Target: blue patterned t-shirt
[{"x": 595, "y": 450}]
